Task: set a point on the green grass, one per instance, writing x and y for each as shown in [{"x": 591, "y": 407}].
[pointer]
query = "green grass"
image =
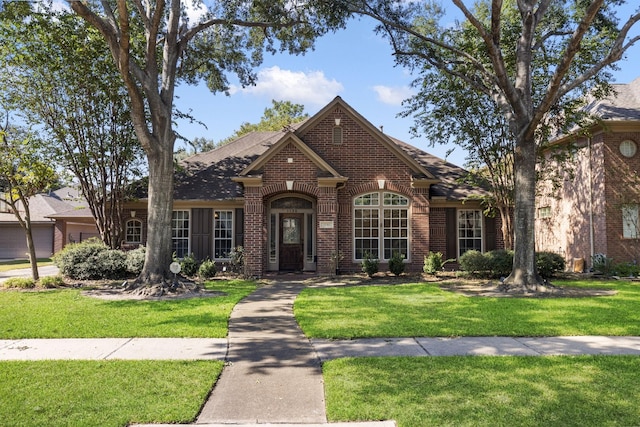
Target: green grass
[
  {"x": 424, "y": 309},
  {"x": 486, "y": 391},
  {"x": 68, "y": 314},
  {"x": 103, "y": 393},
  {"x": 21, "y": 263}
]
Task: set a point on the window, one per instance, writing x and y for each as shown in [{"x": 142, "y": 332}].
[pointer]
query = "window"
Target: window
[
  {"x": 180, "y": 233},
  {"x": 469, "y": 231},
  {"x": 381, "y": 230},
  {"x": 133, "y": 231},
  {"x": 544, "y": 212},
  {"x": 628, "y": 148},
  {"x": 337, "y": 135},
  {"x": 223, "y": 233},
  {"x": 630, "y": 222}
]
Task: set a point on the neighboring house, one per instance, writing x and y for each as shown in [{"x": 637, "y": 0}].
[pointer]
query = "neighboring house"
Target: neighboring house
[
  {"x": 596, "y": 209},
  {"x": 333, "y": 183},
  {"x": 57, "y": 218}
]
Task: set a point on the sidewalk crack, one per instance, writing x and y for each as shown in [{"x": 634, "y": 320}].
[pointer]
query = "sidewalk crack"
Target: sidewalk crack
[{"x": 117, "y": 349}]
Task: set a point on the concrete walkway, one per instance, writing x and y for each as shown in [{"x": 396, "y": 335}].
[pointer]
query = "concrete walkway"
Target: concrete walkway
[{"x": 272, "y": 367}]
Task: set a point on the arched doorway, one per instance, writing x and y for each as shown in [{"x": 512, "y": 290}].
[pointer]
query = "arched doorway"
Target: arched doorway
[{"x": 292, "y": 234}]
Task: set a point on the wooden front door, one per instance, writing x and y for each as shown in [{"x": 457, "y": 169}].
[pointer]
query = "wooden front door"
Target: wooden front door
[{"x": 291, "y": 242}]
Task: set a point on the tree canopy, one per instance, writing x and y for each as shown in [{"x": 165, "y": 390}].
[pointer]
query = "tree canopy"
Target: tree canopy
[
  {"x": 25, "y": 171},
  {"x": 63, "y": 82}
]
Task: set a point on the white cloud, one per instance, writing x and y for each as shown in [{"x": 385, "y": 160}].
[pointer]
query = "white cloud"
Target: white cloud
[
  {"x": 393, "y": 95},
  {"x": 307, "y": 88}
]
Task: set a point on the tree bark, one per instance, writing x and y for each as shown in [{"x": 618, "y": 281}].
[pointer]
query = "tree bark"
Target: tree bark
[
  {"x": 507, "y": 226},
  {"x": 524, "y": 274},
  {"x": 160, "y": 207}
]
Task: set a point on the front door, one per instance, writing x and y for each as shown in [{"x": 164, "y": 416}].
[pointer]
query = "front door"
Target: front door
[{"x": 291, "y": 242}]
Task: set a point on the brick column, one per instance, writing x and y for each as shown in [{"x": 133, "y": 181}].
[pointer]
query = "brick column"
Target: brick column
[
  {"x": 419, "y": 229},
  {"x": 327, "y": 236},
  {"x": 254, "y": 233}
]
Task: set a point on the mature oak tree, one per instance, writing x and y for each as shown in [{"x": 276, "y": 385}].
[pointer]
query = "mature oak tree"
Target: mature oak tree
[
  {"x": 561, "y": 46},
  {"x": 155, "y": 46}
]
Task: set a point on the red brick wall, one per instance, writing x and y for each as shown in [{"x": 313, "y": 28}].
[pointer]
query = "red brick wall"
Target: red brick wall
[{"x": 622, "y": 186}]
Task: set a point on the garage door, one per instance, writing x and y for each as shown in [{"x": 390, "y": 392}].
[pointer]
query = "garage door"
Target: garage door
[{"x": 13, "y": 243}]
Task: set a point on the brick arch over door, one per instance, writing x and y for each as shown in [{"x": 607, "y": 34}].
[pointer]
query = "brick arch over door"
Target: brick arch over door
[{"x": 300, "y": 188}]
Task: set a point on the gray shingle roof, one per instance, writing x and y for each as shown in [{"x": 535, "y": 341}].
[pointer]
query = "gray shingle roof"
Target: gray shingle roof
[
  {"x": 207, "y": 176},
  {"x": 622, "y": 105}
]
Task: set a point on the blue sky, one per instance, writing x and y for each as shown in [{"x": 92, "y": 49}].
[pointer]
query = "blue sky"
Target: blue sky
[{"x": 355, "y": 64}]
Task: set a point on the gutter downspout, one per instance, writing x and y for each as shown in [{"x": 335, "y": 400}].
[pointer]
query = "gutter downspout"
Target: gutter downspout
[{"x": 591, "y": 236}]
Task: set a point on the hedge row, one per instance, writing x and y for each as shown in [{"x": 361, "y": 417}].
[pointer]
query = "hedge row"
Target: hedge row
[{"x": 499, "y": 263}]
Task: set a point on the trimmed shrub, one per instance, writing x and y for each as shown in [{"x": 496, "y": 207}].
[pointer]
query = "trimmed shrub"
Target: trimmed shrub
[
  {"x": 549, "y": 263},
  {"x": 499, "y": 262},
  {"x": 369, "y": 264},
  {"x": 51, "y": 281},
  {"x": 189, "y": 265},
  {"x": 474, "y": 262},
  {"x": 433, "y": 263},
  {"x": 80, "y": 260},
  {"x": 112, "y": 264},
  {"x": 236, "y": 259},
  {"x": 627, "y": 269},
  {"x": 396, "y": 263},
  {"x": 19, "y": 282},
  {"x": 207, "y": 269},
  {"x": 135, "y": 260}
]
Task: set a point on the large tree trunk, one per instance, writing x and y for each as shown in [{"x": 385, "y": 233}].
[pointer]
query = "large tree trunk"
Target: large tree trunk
[
  {"x": 524, "y": 275},
  {"x": 160, "y": 206}
]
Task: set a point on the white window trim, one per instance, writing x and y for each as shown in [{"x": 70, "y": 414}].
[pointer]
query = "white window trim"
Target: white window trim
[
  {"x": 381, "y": 208},
  {"x": 126, "y": 231},
  {"x": 230, "y": 211},
  {"x": 630, "y": 221},
  {"x": 188, "y": 229},
  {"x": 458, "y": 228}
]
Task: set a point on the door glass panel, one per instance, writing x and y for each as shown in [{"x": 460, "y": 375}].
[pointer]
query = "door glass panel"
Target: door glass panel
[{"x": 291, "y": 231}]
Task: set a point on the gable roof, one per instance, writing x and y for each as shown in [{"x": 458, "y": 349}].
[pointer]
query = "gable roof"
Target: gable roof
[
  {"x": 419, "y": 170},
  {"x": 212, "y": 175},
  {"x": 622, "y": 105},
  {"x": 291, "y": 138},
  {"x": 65, "y": 202}
]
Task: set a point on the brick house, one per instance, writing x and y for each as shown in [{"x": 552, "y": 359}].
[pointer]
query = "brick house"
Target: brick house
[
  {"x": 333, "y": 183},
  {"x": 596, "y": 208}
]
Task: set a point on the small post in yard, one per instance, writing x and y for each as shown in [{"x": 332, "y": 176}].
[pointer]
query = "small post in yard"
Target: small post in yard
[{"x": 175, "y": 268}]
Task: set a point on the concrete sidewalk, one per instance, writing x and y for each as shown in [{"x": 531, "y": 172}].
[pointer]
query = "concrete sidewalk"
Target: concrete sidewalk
[{"x": 216, "y": 348}]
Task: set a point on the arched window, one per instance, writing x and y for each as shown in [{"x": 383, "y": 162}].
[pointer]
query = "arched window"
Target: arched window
[
  {"x": 381, "y": 225},
  {"x": 133, "y": 231}
]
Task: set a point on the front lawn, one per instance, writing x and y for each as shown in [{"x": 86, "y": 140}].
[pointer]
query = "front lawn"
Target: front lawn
[
  {"x": 103, "y": 393},
  {"x": 423, "y": 310},
  {"x": 65, "y": 313},
  {"x": 486, "y": 391}
]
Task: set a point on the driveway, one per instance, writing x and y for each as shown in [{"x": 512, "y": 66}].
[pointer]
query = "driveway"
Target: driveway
[{"x": 48, "y": 270}]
